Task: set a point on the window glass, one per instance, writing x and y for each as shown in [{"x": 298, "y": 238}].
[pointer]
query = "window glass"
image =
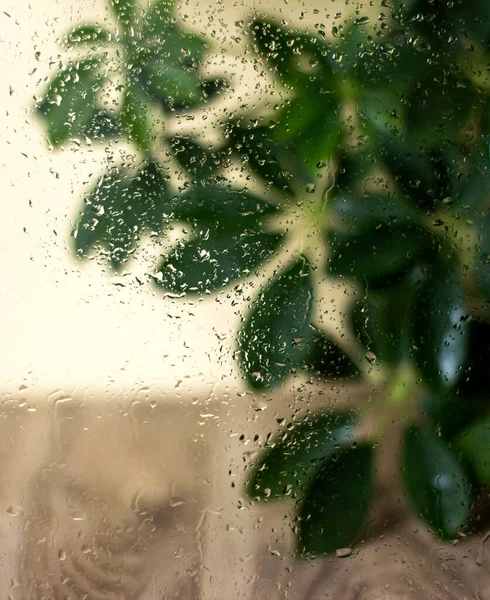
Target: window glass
[{"x": 245, "y": 251}]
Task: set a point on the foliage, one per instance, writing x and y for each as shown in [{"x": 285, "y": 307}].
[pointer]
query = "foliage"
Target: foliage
[{"x": 375, "y": 171}]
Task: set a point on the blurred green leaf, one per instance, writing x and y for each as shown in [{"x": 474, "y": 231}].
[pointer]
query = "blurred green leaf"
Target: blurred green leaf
[
  {"x": 378, "y": 253},
  {"x": 212, "y": 87},
  {"x": 262, "y": 153},
  {"x": 205, "y": 91},
  {"x": 309, "y": 124},
  {"x": 119, "y": 209},
  {"x": 135, "y": 117},
  {"x": 352, "y": 171},
  {"x": 326, "y": 359},
  {"x": 216, "y": 259},
  {"x": 220, "y": 207},
  {"x": 473, "y": 19},
  {"x": 170, "y": 83},
  {"x": 390, "y": 65},
  {"x": 437, "y": 485},
  {"x": 440, "y": 327},
  {"x": 157, "y": 18},
  {"x": 482, "y": 270},
  {"x": 103, "y": 125},
  {"x": 354, "y": 41},
  {"x": 411, "y": 169},
  {"x": 449, "y": 411},
  {"x": 166, "y": 58},
  {"x": 151, "y": 196},
  {"x": 317, "y": 140},
  {"x": 474, "y": 381},
  {"x": 292, "y": 460},
  {"x": 275, "y": 336},
  {"x": 439, "y": 108},
  {"x": 70, "y": 101},
  {"x": 199, "y": 162},
  {"x": 293, "y": 56},
  {"x": 382, "y": 109},
  {"x": 337, "y": 503},
  {"x": 407, "y": 6},
  {"x": 164, "y": 38},
  {"x": 298, "y": 115},
  {"x": 467, "y": 182},
  {"x": 89, "y": 35},
  {"x": 91, "y": 226},
  {"x": 355, "y": 214},
  {"x": 382, "y": 320},
  {"x": 124, "y": 11},
  {"x": 474, "y": 442}
]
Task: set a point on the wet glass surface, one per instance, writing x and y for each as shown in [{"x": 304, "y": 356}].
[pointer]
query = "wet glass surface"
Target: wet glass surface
[{"x": 245, "y": 286}]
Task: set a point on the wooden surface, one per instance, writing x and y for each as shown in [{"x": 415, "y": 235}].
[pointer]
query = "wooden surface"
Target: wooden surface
[{"x": 140, "y": 500}]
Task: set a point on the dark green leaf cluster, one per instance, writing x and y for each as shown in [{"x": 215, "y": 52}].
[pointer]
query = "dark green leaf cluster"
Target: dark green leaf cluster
[
  {"x": 317, "y": 462},
  {"x": 379, "y": 151}
]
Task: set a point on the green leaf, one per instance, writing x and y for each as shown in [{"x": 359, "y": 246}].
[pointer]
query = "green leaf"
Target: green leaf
[
  {"x": 281, "y": 47},
  {"x": 163, "y": 39},
  {"x": 397, "y": 63},
  {"x": 438, "y": 109},
  {"x": 139, "y": 210},
  {"x": 474, "y": 442},
  {"x": 157, "y": 18},
  {"x": 212, "y": 87},
  {"x": 438, "y": 488},
  {"x": 354, "y": 214},
  {"x": 337, "y": 503},
  {"x": 199, "y": 162},
  {"x": 440, "y": 327},
  {"x": 473, "y": 17},
  {"x": 474, "y": 381},
  {"x": 449, "y": 412},
  {"x": 103, "y": 125},
  {"x": 89, "y": 35},
  {"x": 411, "y": 169},
  {"x": 291, "y": 461},
  {"x": 407, "y": 6},
  {"x": 124, "y": 11},
  {"x": 467, "y": 181},
  {"x": 352, "y": 171},
  {"x": 382, "y": 109},
  {"x": 310, "y": 127},
  {"x": 326, "y": 359},
  {"x": 274, "y": 338},
  {"x": 151, "y": 195},
  {"x": 220, "y": 207},
  {"x": 482, "y": 270},
  {"x": 378, "y": 253},
  {"x": 216, "y": 259},
  {"x": 382, "y": 320},
  {"x": 352, "y": 45},
  {"x": 119, "y": 209},
  {"x": 258, "y": 148},
  {"x": 297, "y": 116},
  {"x": 135, "y": 117},
  {"x": 91, "y": 226},
  {"x": 170, "y": 83},
  {"x": 70, "y": 101},
  {"x": 204, "y": 91}
]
